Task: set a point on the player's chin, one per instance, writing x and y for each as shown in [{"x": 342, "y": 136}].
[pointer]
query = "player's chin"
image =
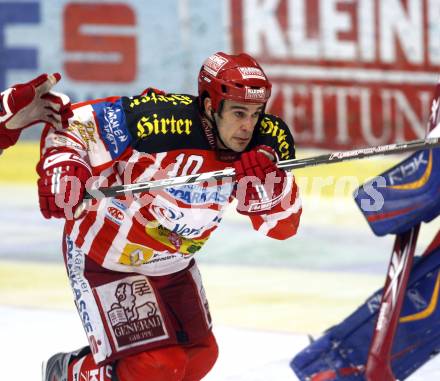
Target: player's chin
[{"x": 239, "y": 145}]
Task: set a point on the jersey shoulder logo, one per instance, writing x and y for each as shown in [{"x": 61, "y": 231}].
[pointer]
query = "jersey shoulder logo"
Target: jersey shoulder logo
[
  {"x": 273, "y": 132},
  {"x": 112, "y": 126}
]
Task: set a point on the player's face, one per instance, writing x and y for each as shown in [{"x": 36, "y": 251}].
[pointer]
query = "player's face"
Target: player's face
[{"x": 236, "y": 124}]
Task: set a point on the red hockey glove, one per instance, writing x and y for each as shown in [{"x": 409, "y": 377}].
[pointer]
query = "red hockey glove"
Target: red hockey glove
[
  {"x": 26, "y": 104},
  {"x": 260, "y": 183},
  {"x": 62, "y": 184}
]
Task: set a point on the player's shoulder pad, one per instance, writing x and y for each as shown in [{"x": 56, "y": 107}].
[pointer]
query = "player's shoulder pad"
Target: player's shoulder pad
[
  {"x": 274, "y": 132},
  {"x": 163, "y": 122}
]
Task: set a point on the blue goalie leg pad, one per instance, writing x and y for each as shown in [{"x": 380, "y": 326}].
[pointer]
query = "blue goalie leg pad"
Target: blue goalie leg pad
[
  {"x": 341, "y": 353},
  {"x": 404, "y": 195}
]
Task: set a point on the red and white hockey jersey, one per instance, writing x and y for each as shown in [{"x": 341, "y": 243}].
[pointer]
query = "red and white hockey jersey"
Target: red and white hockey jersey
[{"x": 152, "y": 136}]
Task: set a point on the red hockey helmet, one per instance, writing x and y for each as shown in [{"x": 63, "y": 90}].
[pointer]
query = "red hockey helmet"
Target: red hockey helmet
[{"x": 235, "y": 77}]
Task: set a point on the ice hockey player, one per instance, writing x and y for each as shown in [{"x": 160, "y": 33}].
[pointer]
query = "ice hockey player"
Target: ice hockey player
[
  {"x": 30, "y": 103},
  {"x": 131, "y": 260}
]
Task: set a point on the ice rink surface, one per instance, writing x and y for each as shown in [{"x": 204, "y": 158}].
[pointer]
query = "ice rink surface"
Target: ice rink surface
[
  {"x": 333, "y": 238},
  {"x": 30, "y": 336}
]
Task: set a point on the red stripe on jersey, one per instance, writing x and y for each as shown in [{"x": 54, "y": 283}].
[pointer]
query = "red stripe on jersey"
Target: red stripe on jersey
[
  {"x": 84, "y": 227},
  {"x": 138, "y": 234},
  {"x": 208, "y": 232},
  {"x": 68, "y": 227},
  {"x": 103, "y": 241}
]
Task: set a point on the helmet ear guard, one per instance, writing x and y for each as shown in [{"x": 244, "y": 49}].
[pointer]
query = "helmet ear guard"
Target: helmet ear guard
[{"x": 233, "y": 77}]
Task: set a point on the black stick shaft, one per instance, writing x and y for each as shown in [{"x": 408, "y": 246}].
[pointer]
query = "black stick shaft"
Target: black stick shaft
[
  {"x": 330, "y": 158},
  {"x": 362, "y": 153}
]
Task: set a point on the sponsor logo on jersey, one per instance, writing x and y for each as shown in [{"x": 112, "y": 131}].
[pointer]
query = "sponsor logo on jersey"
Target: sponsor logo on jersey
[
  {"x": 112, "y": 126},
  {"x": 175, "y": 240},
  {"x": 214, "y": 63},
  {"x": 75, "y": 269},
  {"x": 251, "y": 72},
  {"x": 255, "y": 94},
  {"x": 173, "y": 99},
  {"x": 166, "y": 256},
  {"x": 135, "y": 255},
  {"x": 132, "y": 312},
  {"x": 185, "y": 231},
  {"x": 119, "y": 204},
  {"x": 86, "y": 130},
  {"x": 197, "y": 195},
  {"x": 115, "y": 212},
  {"x": 153, "y": 125},
  {"x": 164, "y": 213},
  {"x": 115, "y": 215},
  {"x": 268, "y": 127}
]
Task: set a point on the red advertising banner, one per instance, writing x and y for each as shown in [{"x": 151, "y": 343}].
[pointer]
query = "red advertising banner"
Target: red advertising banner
[{"x": 346, "y": 73}]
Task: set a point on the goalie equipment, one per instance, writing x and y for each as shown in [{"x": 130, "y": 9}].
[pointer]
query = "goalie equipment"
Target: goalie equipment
[
  {"x": 341, "y": 353},
  {"x": 401, "y": 197}
]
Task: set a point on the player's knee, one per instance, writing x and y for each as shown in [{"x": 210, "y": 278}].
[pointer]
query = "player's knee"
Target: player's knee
[
  {"x": 163, "y": 364},
  {"x": 202, "y": 358}
]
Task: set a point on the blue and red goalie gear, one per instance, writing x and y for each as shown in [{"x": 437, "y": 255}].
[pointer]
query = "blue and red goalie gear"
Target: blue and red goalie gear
[
  {"x": 341, "y": 353},
  {"x": 404, "y": 195}
]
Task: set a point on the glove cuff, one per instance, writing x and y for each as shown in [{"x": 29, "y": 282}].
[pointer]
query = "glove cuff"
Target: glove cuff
[
  {"x": 268, "y": 151},
  {"x": 59, "y": 159}
]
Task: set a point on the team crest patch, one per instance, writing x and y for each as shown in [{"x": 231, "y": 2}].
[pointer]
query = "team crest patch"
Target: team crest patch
[{"x": 132, "y": 313}]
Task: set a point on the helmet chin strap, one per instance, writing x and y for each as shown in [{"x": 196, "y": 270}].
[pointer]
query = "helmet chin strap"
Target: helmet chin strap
[
  {"x": 216, "y": 131},
  {"x": 213, "y": 135}
]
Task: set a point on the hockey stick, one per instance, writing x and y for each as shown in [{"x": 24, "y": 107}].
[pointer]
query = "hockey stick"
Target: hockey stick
[
  {"x": 378, "y": 367},
  {"x": 330, "y": 158}
]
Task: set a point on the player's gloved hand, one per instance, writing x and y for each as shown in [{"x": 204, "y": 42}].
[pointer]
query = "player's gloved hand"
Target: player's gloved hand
[
  {"x": 26, "y": 104},
  {"x": 260, "y": 183},
  {"x": 62, "y": 184}
]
